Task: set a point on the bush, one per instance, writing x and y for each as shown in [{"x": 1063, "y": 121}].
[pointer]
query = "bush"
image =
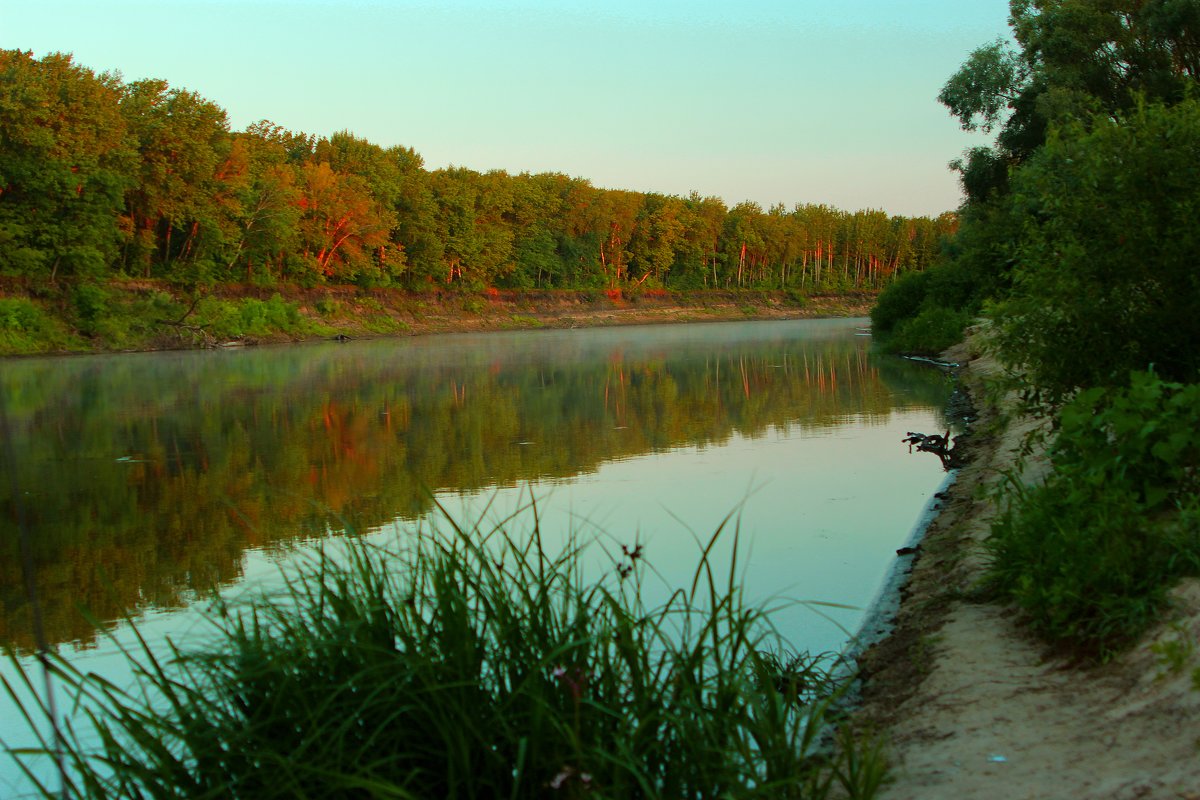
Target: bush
[
  {"x": 799, "y": 298},
  {"x": 275, "y": 314},
  {"x": 1089, "y": 571},
  {"x": 472, "y": 665},
  {"x": 26, "y": 328},
  {"x": 227, "y": 319},
  {"x": 129, "y": 319},
  {"x": 930, "y": 332},
  {"x": 926, "y": 312},
  {"x": 1145, "y": 437},
  {"x": 91, "y": 304},
  {"x": 1089, "y": 555},
  {"x": 901, "y": 300}
]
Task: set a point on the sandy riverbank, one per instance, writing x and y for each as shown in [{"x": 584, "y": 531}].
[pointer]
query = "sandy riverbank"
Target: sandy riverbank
[{"x": 972, "y": 707}]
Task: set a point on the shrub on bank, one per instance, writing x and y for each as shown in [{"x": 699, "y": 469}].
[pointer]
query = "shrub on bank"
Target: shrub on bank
[
  {"x": 1090, "y": 554},
  {"x": 246, "y": 316},
  {"x": 929, "y": 333},
  {"x": 1106, "y": 279},
  {"x": 26, "y": 328},
  {"x": 121, "y": 320},
  {"x": 901, "y": 300},
  {"x": 924, "y": 312},
  {"x": 472, "y": 665}
]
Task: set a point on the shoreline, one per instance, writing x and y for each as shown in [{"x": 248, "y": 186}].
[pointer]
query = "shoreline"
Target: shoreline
[
  {"x": 333, "y": 312},
  {"x": 970, "y": 706},
  {"x": 879, "y": 620}
]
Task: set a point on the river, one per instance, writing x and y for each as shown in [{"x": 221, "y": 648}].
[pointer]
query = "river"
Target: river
[{"x": 152, "y": 479}]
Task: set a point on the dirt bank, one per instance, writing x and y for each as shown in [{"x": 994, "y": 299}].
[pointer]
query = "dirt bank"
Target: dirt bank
[
  {"x": 972, "y": 707},
  {"x": 153, "y": 315},
  {"x": 508, "y": 310}
]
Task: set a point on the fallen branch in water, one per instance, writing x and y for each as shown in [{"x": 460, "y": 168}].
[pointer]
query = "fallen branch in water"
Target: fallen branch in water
[{"x": 940, "y": 445}]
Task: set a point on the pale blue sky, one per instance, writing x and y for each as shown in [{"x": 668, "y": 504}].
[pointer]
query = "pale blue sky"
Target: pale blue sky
[{"x": 765, "y": 100}]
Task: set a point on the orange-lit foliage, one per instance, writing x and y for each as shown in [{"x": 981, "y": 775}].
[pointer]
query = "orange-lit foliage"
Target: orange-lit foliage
[{"x": 340, "y": 226}]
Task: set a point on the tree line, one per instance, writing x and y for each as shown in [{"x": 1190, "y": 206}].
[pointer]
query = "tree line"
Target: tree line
[{"x": 100, "y": 178}]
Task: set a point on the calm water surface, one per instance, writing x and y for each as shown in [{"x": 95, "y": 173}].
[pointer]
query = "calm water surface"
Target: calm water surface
[{"x": 154, "y": 478}]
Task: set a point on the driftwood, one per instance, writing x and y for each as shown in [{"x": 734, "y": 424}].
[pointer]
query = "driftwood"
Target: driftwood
[
  {"x": 940, "y": 445},
  {"x": 937, "y": 362},
  {"x": 199, "y": 336}
]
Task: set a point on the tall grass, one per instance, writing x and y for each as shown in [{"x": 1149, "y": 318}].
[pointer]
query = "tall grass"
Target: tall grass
[{"x": 471, "y": 664}]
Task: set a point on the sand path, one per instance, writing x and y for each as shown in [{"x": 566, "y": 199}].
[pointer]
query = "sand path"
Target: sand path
[{"x": 972, "y": 707}]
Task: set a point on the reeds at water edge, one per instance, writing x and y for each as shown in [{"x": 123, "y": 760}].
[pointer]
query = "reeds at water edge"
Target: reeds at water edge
[{"x": 467, "y": 662}]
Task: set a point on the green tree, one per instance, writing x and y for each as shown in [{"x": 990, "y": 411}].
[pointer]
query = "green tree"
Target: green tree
[
  {"x": 617, "y": 212},
  {"x": 743, "y": 242},
  {"x": 177, "y": 217},
  {"x": 379, "y": 172},
  {"x": 697, "y": 257},
  {"x": 583, "y": 233},
  {"x": 655, "y": 238},
  {"x": 473, "y": 208},
  {"x": 64, "y": 165},
  {"x": 1074, "y": 65},
  {"x": 538, "y": 223},
  {"x": 1106, "y": 256},
  {"x": 417, "y": 230},
  {"x": 268, "y": 204},
  {"x": 1075, "y": 58}
]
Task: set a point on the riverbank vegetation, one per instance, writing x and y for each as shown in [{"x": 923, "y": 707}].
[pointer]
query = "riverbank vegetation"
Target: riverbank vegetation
[
  {"x": 124, "y": 315},
  {"x": 476, "y": 663},
  {"x": 1090, "y": 554},
  {"x": 1077, "y": 241}
]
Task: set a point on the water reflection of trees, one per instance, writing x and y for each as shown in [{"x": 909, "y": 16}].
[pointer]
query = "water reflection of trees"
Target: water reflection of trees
[{"x": 148, "y": 476}]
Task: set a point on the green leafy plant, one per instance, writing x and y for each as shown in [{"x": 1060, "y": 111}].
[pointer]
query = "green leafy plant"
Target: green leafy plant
[
  {"x": 368, "y": 303},
  {"x": 25, "y": 327},
  {"x": 929, "y": 333},
  {"x": 797, "y": 297},
  {"x": 91, "y": 303},
  {"x": 384, "y": 324},
  {"x": 901, "y": 300},
  {"x": 249, "y": 317},
  {"x": 1089, "y": 554},
  {"x": 524, "y": 321},
  {"x": 1175, "y": 654}
]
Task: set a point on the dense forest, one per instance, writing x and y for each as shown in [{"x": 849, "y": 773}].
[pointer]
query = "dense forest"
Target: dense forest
[
  {"x": 1078, "y": 244},
  {"x": 101, "y": 179}
]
